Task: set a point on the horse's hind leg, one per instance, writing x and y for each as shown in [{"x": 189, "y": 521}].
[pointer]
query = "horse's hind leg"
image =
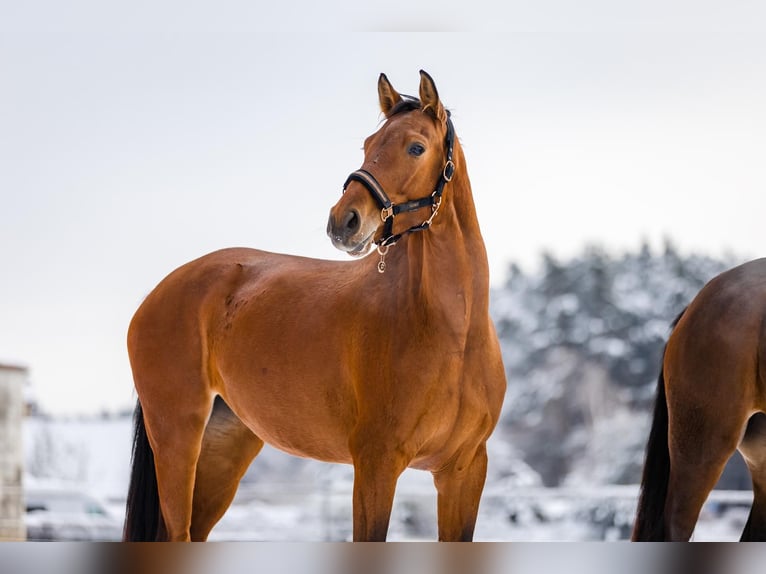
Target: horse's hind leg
[
  {"x": 459, "y": 488},
  {"x": 701, "y": 441},
  {"x": 690, "y": 484},
  {"x": 753, "y": 449},
  {"x": 175, "y": 427},
  {"x": 228, "y": 448}
]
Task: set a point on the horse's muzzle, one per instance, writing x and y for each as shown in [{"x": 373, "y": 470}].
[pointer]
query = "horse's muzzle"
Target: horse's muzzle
[{"x": 346, "y": 233}]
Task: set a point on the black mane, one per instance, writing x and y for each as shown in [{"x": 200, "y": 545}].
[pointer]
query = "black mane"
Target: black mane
[{"x": 406, "y": 104}]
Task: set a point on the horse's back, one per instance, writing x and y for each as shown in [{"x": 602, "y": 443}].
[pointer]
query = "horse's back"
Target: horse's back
[
  {"x": 209, "y": 280},
  {"x": 179, "y": 295}
]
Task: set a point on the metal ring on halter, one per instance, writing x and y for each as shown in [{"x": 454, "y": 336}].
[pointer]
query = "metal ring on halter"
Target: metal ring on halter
[
  {"x": 382, "y": 251},
  {"x": 449, "y": 170}
]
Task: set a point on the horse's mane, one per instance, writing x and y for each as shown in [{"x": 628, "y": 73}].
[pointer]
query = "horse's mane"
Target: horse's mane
[{"x": 406, "y": 104}]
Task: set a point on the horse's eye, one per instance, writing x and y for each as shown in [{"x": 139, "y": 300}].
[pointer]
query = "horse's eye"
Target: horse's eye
[{"x": 416, "y": 149}]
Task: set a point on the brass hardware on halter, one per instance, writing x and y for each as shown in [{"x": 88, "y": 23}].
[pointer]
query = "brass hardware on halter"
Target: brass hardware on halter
[
  {"x": 382, "y": 250},
  {"x": 434, "y": 208},
  {"x": 449, "y": 170}
]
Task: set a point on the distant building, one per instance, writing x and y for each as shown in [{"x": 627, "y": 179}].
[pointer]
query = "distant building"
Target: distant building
[{"x": 13, "y": 379}]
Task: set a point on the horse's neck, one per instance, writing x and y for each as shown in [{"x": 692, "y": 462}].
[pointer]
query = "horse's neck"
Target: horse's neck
[{"x": 450, "y": 257}]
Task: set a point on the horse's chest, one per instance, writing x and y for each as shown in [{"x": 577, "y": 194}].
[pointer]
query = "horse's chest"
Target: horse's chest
[{"x": 441, "y": 328}]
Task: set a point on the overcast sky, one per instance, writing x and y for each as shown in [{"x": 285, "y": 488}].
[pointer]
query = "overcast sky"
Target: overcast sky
[{"x": 133, "y": 140}]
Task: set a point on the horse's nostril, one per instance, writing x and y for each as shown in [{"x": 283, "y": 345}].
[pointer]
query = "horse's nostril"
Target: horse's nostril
[{"x": 352, "y": 221}]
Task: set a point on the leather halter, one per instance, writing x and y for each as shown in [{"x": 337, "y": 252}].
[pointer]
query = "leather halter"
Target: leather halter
[{"x": 389, "y": 210}]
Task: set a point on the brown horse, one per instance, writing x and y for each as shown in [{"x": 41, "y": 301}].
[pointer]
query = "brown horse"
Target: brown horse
[
  {"x": 711, "y": 399},
  {"x": 384, "y": 362}
]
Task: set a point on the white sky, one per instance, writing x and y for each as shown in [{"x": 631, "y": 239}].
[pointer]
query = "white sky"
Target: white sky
[{"x": 134, "y": 139}]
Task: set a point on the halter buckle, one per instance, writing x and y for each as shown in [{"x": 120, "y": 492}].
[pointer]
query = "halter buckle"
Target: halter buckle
[
  {"x": 448, "y": 171},
  {"x": 386, "y": 212}
]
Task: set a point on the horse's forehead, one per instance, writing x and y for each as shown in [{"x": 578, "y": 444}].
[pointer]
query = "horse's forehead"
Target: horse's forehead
[
  {"x": 406, "y": 125},
  {"x": 415, "y": 120}
]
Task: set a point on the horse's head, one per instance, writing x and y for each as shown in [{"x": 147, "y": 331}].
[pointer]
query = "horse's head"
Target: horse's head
[{"x": 406, "y": 164}]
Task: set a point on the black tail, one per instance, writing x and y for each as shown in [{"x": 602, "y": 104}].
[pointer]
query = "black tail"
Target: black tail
[
  {"x": 143, "y": 519},
  {"x": 650, "y": 516}
]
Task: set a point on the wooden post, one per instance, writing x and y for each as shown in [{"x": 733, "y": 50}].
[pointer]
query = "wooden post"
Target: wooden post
[{"x": 12, "y": 380}]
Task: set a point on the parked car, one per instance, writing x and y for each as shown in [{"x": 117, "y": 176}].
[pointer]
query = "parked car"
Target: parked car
[{"x": 69, "y": 515}]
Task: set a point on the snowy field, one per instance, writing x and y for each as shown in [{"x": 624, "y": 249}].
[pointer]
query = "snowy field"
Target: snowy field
[{"x": 91, "y": 457}]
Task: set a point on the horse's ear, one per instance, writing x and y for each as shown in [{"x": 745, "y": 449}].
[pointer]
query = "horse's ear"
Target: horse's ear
[
  {"x": 387, "y": 95},
  {"x": 429, "y": 97}
]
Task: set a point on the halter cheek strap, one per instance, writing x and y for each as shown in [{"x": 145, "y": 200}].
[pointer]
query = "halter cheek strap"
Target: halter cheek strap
[{"x": 389, "y": 210}]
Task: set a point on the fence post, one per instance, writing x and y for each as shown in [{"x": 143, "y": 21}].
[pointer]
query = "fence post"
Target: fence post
[{"x": 12, "y": 380}]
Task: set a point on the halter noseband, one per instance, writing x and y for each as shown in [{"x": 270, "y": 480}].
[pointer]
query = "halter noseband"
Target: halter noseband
[{"x": 389, "y": 210}]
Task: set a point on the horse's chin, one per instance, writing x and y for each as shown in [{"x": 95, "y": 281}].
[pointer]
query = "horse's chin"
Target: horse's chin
[
  {"x": 359, "y": 249},
  {"x": 355, "y": 249},
  {"x": 362, "y": 249}
]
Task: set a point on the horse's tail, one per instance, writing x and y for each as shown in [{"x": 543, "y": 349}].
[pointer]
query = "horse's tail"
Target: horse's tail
[
  {"x": 143, "y": 518},
  {"x": 650, "y": 515}
]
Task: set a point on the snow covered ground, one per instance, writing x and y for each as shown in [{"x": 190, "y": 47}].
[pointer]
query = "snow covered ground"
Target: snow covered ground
[{"x": 92, "y": 457}]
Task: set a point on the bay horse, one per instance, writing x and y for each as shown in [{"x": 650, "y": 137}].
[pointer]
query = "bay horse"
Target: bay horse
[
  {"x": 711, "y": 400},
  {"x": 383, "y": 362}
]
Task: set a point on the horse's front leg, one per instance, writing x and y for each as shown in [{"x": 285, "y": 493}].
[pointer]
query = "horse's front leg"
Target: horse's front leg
[
  {"x": 459, "y": 486},
  {"x": 376, "y": 470}
]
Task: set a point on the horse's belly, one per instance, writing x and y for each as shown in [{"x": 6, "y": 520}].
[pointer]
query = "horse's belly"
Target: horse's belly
[
  {"x": 283, "y": 373},
  {"x": 294, "y": 420},
  {"x": 325, "y": 444}
]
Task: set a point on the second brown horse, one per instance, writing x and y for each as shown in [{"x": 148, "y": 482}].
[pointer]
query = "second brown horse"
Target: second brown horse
[
  {"x": 711, "y": 400},
  {"x": 335, "y": 361}
]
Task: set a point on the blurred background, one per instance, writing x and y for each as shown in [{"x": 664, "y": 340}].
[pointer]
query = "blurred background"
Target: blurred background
[{"x": 616, "y": 155}]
